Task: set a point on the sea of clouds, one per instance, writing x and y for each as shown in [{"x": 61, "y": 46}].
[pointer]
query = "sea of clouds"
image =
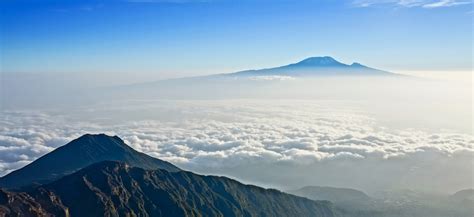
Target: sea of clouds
[{"x": 276, "y": 143}]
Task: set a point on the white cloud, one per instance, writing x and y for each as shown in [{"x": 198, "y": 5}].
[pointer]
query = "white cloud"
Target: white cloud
[
  {"x": 220, "y": 135},
  {"x": 411, "y": 3},
  {"x": 446, "y": 3}
]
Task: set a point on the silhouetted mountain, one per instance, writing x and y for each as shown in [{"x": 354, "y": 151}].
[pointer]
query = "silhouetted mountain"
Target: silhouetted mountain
[
  {"x": 331, "y": 194},
  {"x": 464, "y": 195},
  {"x": 404, "y": 203},
  {"x": 263, "y": 83},
  {"x": 116, "y": 189},
  {"x": 315, "y": 66},
  {"x": 348, "y": 201},
  {"x": 77, "y": 154}
]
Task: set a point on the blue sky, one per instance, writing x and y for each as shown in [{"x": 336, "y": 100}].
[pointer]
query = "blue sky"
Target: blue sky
[{"x": 175, "y": 38}]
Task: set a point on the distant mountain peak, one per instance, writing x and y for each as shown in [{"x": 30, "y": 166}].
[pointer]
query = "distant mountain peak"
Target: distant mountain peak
[
  {"x": 466, "y": 194},
  {"x": 315, "y": 66},
  {"x": 319, "y": 61},
  {"x": 357, "y": 64}
]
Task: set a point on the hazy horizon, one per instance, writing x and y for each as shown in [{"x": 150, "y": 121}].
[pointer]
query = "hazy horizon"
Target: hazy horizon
[{"x": 281, "y": 127}]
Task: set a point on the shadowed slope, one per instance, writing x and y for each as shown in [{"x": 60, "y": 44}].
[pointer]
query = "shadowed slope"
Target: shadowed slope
[{"x": 116, "y": 189}]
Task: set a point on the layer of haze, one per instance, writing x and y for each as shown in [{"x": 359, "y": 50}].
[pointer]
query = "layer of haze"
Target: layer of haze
[{"x": 369, "y": 133}]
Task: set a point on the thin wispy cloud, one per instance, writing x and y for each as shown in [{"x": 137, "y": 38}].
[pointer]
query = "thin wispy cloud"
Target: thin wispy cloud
[
  {"x": 78, "y": 8},
  {"x": 411, "y": 3},
  {"x": 446, "y": 3}
]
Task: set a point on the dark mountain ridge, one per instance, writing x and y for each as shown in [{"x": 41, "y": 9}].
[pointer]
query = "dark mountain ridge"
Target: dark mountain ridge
[
  {"x": 116, "y": 189},
  {"x": 79, "y": 153}
]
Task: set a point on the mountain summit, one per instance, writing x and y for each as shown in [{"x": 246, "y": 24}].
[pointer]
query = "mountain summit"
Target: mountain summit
[
  {"x": 79, "y": 153},
  {"x": 315, "y": 66},
  {"x": 318, "y": 62}
]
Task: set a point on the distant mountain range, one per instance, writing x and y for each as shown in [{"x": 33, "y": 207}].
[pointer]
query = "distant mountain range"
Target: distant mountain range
[
  {"x": 315, "y": 66},
  {"x": 310, "y": 67},
  {"x": 251, "y": 83},
  {"x": 402, "y": 203},
  {"x": 464, "y": 195},
  {"x": 244, "y": 84},
  {"x": 80, "y": 180},
  {"x": 331, "y": 193}
]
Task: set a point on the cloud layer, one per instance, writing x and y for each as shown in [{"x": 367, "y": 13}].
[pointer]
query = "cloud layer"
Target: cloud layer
[{"x": 216, "y": 136}]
